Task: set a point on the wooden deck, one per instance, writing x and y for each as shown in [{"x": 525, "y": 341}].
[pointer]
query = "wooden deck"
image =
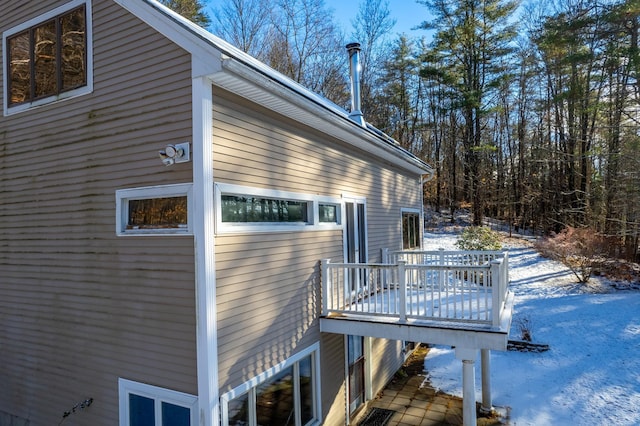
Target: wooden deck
[{"x": 446, "y": 296}]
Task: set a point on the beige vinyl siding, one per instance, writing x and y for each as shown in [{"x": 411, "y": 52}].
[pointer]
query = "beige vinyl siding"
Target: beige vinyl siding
[
  {"x": 268, "y": 299},
  {"x": 253, "y": 149},
  {"x": 334, "y": 398},
  {"x": 80, "y": 307},
  {"x": 387, "y": 358},
  {"x": 268, "y": 289}
]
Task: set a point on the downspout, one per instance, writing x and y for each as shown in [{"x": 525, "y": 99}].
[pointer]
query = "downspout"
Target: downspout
[{"x": 354, "y": 74}]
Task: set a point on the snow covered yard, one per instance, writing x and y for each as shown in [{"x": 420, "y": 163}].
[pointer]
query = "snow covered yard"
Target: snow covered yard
[{"x": 590, "y": 375}]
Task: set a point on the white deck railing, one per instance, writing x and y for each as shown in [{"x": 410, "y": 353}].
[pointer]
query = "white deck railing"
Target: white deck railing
[{"x": 455, "y": 286}]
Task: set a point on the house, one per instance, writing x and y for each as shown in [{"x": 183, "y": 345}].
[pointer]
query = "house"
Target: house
[{"x": 168, "y": 204}]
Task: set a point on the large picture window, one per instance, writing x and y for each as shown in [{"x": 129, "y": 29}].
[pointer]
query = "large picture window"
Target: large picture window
[
  {"x": 285, "y": 395},
  {"x": 48, "y": 58}
]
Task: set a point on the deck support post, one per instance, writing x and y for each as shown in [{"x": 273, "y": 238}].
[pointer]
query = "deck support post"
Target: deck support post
[
  {"x": 485, "y": 362},
  {"x": 468, "y": 358}
]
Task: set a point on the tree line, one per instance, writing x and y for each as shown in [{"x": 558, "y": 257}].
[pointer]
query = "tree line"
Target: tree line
[{"x": 528, "y": 112}]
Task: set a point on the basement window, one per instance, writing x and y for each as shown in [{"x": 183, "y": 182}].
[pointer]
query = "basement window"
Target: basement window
[
  {"x": 146, "y": 405},
  {"x": 155, "y": 210}
]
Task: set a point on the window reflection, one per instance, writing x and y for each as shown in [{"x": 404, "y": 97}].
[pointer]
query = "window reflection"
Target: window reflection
[
  {"x": 20, "y": 68},
  {"x": 237, "y": 208},
  {"x": 73, "y": 69},
  {"x": 274, "y": 401},
  {"x": 286, "y": 398},
  {"x": 158, "y": 213},
  {"x": 46, "y": 82},
  {"x": 239, "y": 411},
  {"x": 306, "y": 390},
  {"x": 48, "y": 59}
]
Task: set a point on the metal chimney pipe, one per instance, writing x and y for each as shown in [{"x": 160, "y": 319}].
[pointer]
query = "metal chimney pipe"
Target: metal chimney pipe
[{"x": 354, "y": 73}]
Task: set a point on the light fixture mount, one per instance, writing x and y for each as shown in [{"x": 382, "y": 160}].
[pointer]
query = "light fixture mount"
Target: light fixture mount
[{"x": 178, "y": 153}]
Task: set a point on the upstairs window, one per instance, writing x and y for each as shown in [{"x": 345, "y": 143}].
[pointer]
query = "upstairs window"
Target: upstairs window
[{"x": 48, "y": 58}]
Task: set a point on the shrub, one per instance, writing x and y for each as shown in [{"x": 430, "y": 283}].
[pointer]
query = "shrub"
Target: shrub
[
  {"x": 525, "y": 325},
  {"x": 479, "y": 238},
  {"x": 580, "y": 249}
]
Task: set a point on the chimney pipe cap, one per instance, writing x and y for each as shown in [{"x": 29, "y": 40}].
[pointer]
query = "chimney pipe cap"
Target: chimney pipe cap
[{"x": 353, "y": 46}]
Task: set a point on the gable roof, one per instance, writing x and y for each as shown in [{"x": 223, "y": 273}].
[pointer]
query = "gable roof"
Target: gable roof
[{"x": 240, "y": 73}]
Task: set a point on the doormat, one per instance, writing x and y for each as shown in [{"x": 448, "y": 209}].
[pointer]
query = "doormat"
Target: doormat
[{"x": 377, "y": 417}]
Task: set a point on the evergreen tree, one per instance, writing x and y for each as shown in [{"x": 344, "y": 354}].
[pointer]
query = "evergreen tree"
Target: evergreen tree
[
  {"x": 190, "y": 9},
  {"x": 472, "y": 40}
]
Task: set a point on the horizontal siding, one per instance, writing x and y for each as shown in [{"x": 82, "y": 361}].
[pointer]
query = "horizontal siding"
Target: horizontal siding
[
  {"x": 251, "y": 147},
  {"x": 334, "y": 398},
  {"x": 268, "y": 288},
  {"x": 386, "y": 358},
  {"x": 79, "y": 307},
  {"x": 268, "y": 299}
]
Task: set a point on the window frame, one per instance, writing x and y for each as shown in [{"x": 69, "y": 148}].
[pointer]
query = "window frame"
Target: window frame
[
  {"x": 159, "y": 395},
  {"x": 149, "y": 192},
  {"x": 313, "y": 202},
  {"x": 35, "y": 22},
  {"x": 418, "y": 213},
  {"x": 249, "y": 387}
]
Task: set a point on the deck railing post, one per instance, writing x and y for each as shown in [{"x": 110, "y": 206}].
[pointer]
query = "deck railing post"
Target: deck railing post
[
  {"x": 505, "y": 272},
  {"x": 496, "y": 290},
  {"x": 324, "y": 276},
  {"x": 402, "y": 284},
  {"x": 384, "y": 255},
  {"x": 442, "y": 272}
]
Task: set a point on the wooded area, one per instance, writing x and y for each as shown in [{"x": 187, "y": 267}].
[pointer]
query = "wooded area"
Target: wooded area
[{"x": 528, "y": 112}]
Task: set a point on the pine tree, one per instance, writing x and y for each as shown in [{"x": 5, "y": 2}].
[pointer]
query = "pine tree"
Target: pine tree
[
  {"x": 472, "y": 42},
  {"x": 190, "y": 9}
]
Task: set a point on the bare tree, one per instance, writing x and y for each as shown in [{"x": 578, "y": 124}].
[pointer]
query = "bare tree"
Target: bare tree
[
  {"x": 245, "y": 24},
  {"x": 308, "y": 47},
  {"x": 371, "y": 28}
]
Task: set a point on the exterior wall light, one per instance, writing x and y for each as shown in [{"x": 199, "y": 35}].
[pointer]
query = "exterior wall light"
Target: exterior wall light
[{"x": 178, "y": 153}]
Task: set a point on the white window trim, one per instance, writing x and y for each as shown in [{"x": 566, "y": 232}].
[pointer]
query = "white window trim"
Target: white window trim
[
  {"x": 33, "y": 22},
  {"x": 126, "y": 387},
  {"x": 175, "y": 190},
  {"x": 312, "y": 201},
  {"x": 364, "y": 233},
  {"x": 261, "y": 378},
  {"x": 404, "y": 210}
]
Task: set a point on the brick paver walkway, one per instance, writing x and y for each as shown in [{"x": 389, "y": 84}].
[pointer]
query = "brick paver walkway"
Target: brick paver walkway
[{"x": 418, "y": 405}]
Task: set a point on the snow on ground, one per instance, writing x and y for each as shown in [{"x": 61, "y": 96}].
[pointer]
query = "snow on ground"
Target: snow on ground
[{"x": 590, "y": 375}]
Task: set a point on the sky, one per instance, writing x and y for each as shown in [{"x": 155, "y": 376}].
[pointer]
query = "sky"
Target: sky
[
  {"x": 591, "y": 373},
  {"x": 407, "y": 13}
]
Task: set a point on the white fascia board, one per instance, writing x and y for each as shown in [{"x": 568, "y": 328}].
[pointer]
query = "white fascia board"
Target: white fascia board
[{"x": 205, "y": 59}]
